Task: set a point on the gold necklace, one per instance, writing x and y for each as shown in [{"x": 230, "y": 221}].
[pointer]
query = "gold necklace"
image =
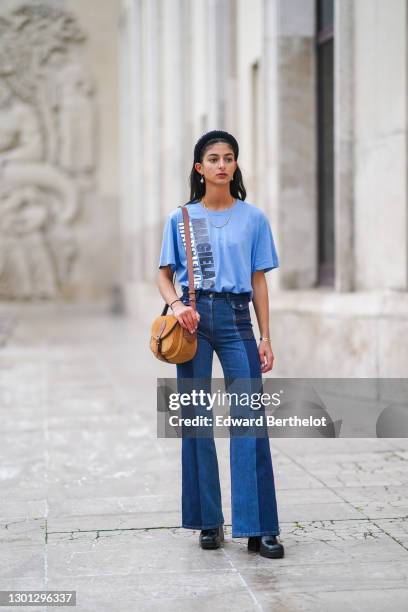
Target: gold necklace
[{"x": 209, "y": 221}]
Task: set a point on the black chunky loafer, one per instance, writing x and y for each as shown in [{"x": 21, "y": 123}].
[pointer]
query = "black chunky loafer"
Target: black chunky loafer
[
  {"x": 212, "y": 538},
  {"x": 267, "y": 546}
]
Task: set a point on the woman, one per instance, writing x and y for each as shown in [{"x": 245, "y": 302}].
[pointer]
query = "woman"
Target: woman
[{"x": 232, "y": 248}]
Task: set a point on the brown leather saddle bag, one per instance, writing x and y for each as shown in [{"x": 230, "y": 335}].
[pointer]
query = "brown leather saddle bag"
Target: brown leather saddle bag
[{"x": 169, "y": 341}]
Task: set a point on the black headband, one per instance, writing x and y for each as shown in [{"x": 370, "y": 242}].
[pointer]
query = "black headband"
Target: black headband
[{"x": 201, "y": 142}]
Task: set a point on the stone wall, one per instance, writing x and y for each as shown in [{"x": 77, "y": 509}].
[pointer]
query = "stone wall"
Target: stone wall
[{"x": 59, "y": 200}]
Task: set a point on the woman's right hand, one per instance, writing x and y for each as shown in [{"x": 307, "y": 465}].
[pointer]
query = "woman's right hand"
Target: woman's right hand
[{"x": 186, "y": 316}]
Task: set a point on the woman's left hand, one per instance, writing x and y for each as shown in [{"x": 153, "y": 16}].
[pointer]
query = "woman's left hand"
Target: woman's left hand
[{"x": 266, "y": 355}]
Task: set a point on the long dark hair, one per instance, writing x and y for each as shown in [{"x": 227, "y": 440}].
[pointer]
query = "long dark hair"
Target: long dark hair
[{"x": 197, "y": 188}]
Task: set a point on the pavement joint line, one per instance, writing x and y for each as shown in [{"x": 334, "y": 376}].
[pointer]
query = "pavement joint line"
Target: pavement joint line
[
  {"x": 345, "y": 520},
  {"x": 244, "y": 582},
  {"x": 389, "y": 534},
  {"x": 300, "y": 522}
]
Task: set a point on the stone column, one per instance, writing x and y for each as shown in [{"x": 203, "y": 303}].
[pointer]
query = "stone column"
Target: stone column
[
  {"x": 231, "y": 78},
  {"x": 130, "y": 119},
  {"x": 290, "y": 137},
  {"x": 149, "y": 204},
  {"x": 172, "y": 111},
  {"x": 199, "y": 72},
  {"x": 188, "y": 43},
  {"x": 211, "y": 46},
  {"x": 380, "y": 150},
  {"x": 344, "y": 144}
]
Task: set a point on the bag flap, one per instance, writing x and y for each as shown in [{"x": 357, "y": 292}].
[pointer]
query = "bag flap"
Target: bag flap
[{"x": 163, "y": 326}]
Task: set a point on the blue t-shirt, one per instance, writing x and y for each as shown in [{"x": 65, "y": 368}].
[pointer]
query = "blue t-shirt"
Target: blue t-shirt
[{"x": 223, "y": 258}]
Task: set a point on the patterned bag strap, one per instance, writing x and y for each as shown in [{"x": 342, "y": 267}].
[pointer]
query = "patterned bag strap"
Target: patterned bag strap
[{"x": 191, "y": 290}]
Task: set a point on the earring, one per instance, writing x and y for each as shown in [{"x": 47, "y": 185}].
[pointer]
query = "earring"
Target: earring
[{"x": 202, "y": 178}]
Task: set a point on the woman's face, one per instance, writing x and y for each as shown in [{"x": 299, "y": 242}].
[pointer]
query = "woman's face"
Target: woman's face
[{"x": 218, "y": 165}]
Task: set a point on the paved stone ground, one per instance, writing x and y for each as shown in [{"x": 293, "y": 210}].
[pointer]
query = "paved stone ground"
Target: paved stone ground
[{"x": 90, "y": 496}]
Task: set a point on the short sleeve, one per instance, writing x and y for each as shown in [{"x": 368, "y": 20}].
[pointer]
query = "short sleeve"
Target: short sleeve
[
  {"x": 264, "y": 255},
  {"x": 169, "y": 249}
]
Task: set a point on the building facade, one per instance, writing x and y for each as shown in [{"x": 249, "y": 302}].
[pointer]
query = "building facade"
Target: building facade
[
  {"x": 316, "y": 93},
  {"x": 98, "y": 126}
]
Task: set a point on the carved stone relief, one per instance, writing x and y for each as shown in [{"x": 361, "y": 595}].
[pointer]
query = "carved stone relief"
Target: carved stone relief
[{"x": 47, "y": 148}]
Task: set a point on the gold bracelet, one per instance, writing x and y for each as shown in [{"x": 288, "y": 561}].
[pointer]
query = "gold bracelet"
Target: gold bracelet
[{"x": 264, "y": 338}]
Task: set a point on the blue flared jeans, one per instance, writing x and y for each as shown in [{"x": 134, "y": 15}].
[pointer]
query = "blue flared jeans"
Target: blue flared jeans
[{"x": 225, "y": 327}]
